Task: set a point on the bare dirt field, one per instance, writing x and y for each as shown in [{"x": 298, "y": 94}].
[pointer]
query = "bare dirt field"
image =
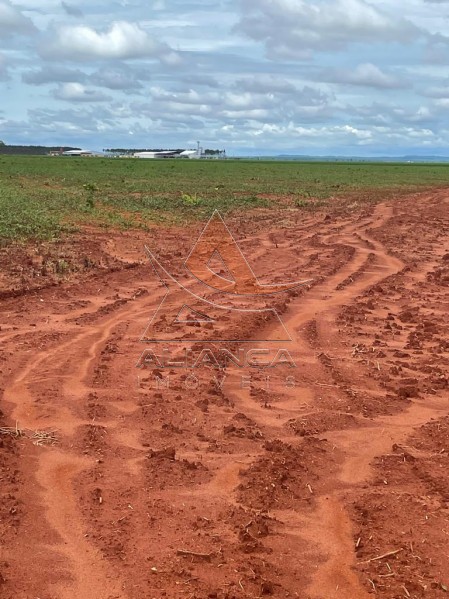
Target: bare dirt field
[{"x": 329, "y": 480}]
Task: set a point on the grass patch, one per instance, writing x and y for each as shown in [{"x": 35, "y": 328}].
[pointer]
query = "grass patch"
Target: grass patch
[{"x": 42, "y": 196}]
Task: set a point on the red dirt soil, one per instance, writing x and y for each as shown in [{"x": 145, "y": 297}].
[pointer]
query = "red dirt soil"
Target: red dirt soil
[{"x": 330, "y": 480}]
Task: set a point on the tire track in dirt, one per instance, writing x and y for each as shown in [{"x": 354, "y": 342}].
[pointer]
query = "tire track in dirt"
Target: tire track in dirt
[
  {"x": 334, "y": 576},
  {"x": 323, "y": 526},
  {"x": 57, "y": 468},
  {"x": 322, "y": 298},
  {"x": 329, "y": 525},
  {"x": 360, "y": 446}
]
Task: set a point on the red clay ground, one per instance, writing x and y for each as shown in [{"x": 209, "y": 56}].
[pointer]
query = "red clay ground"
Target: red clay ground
[{"x": 333, "y": 482}]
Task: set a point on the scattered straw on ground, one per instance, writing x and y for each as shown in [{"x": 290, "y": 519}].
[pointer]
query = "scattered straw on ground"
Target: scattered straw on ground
[{"x": 38, "y": 437}]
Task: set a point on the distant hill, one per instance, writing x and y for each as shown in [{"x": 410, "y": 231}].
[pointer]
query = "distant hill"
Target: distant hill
[{"x": 305, "y": 158}]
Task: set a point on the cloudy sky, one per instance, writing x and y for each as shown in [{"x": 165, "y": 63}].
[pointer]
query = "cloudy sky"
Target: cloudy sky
[{"x": 350, "y": 77}]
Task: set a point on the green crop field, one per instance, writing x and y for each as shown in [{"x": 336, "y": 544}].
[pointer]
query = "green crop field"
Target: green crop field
[{"x": 42, "y": 196}]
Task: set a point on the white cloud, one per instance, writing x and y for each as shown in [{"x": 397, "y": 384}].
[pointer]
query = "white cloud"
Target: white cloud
[
  {"x": 438, "y": 91},
  {"x": 295, "y": 28},
  {"x": 4, "y": 73},
  {"x": 366, "y": 74},
  {"x": 265, "y": 84},
  {"x": 52, "y": 74},
  {"x": 13, "y": 21},
  {"x": 121, "y": 41},
  {"x": 189, "y": 97},
  {"x": 118, "y": 77},
  {"x": 72, "y": 10},
  {"x": 77, "y": 92},
  {"x": 442, "y": 103},
  {"x": 306, "y": 74}
]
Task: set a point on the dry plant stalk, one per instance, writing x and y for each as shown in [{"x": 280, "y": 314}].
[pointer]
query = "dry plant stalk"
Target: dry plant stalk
[{"x": 38, "y": 437}]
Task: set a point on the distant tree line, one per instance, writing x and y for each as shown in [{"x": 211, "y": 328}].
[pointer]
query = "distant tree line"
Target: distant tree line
[
  {"x": 134, "y": 150},
  {"x": 32, "y": 150},
  {"x": 43, "y": 150}
]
